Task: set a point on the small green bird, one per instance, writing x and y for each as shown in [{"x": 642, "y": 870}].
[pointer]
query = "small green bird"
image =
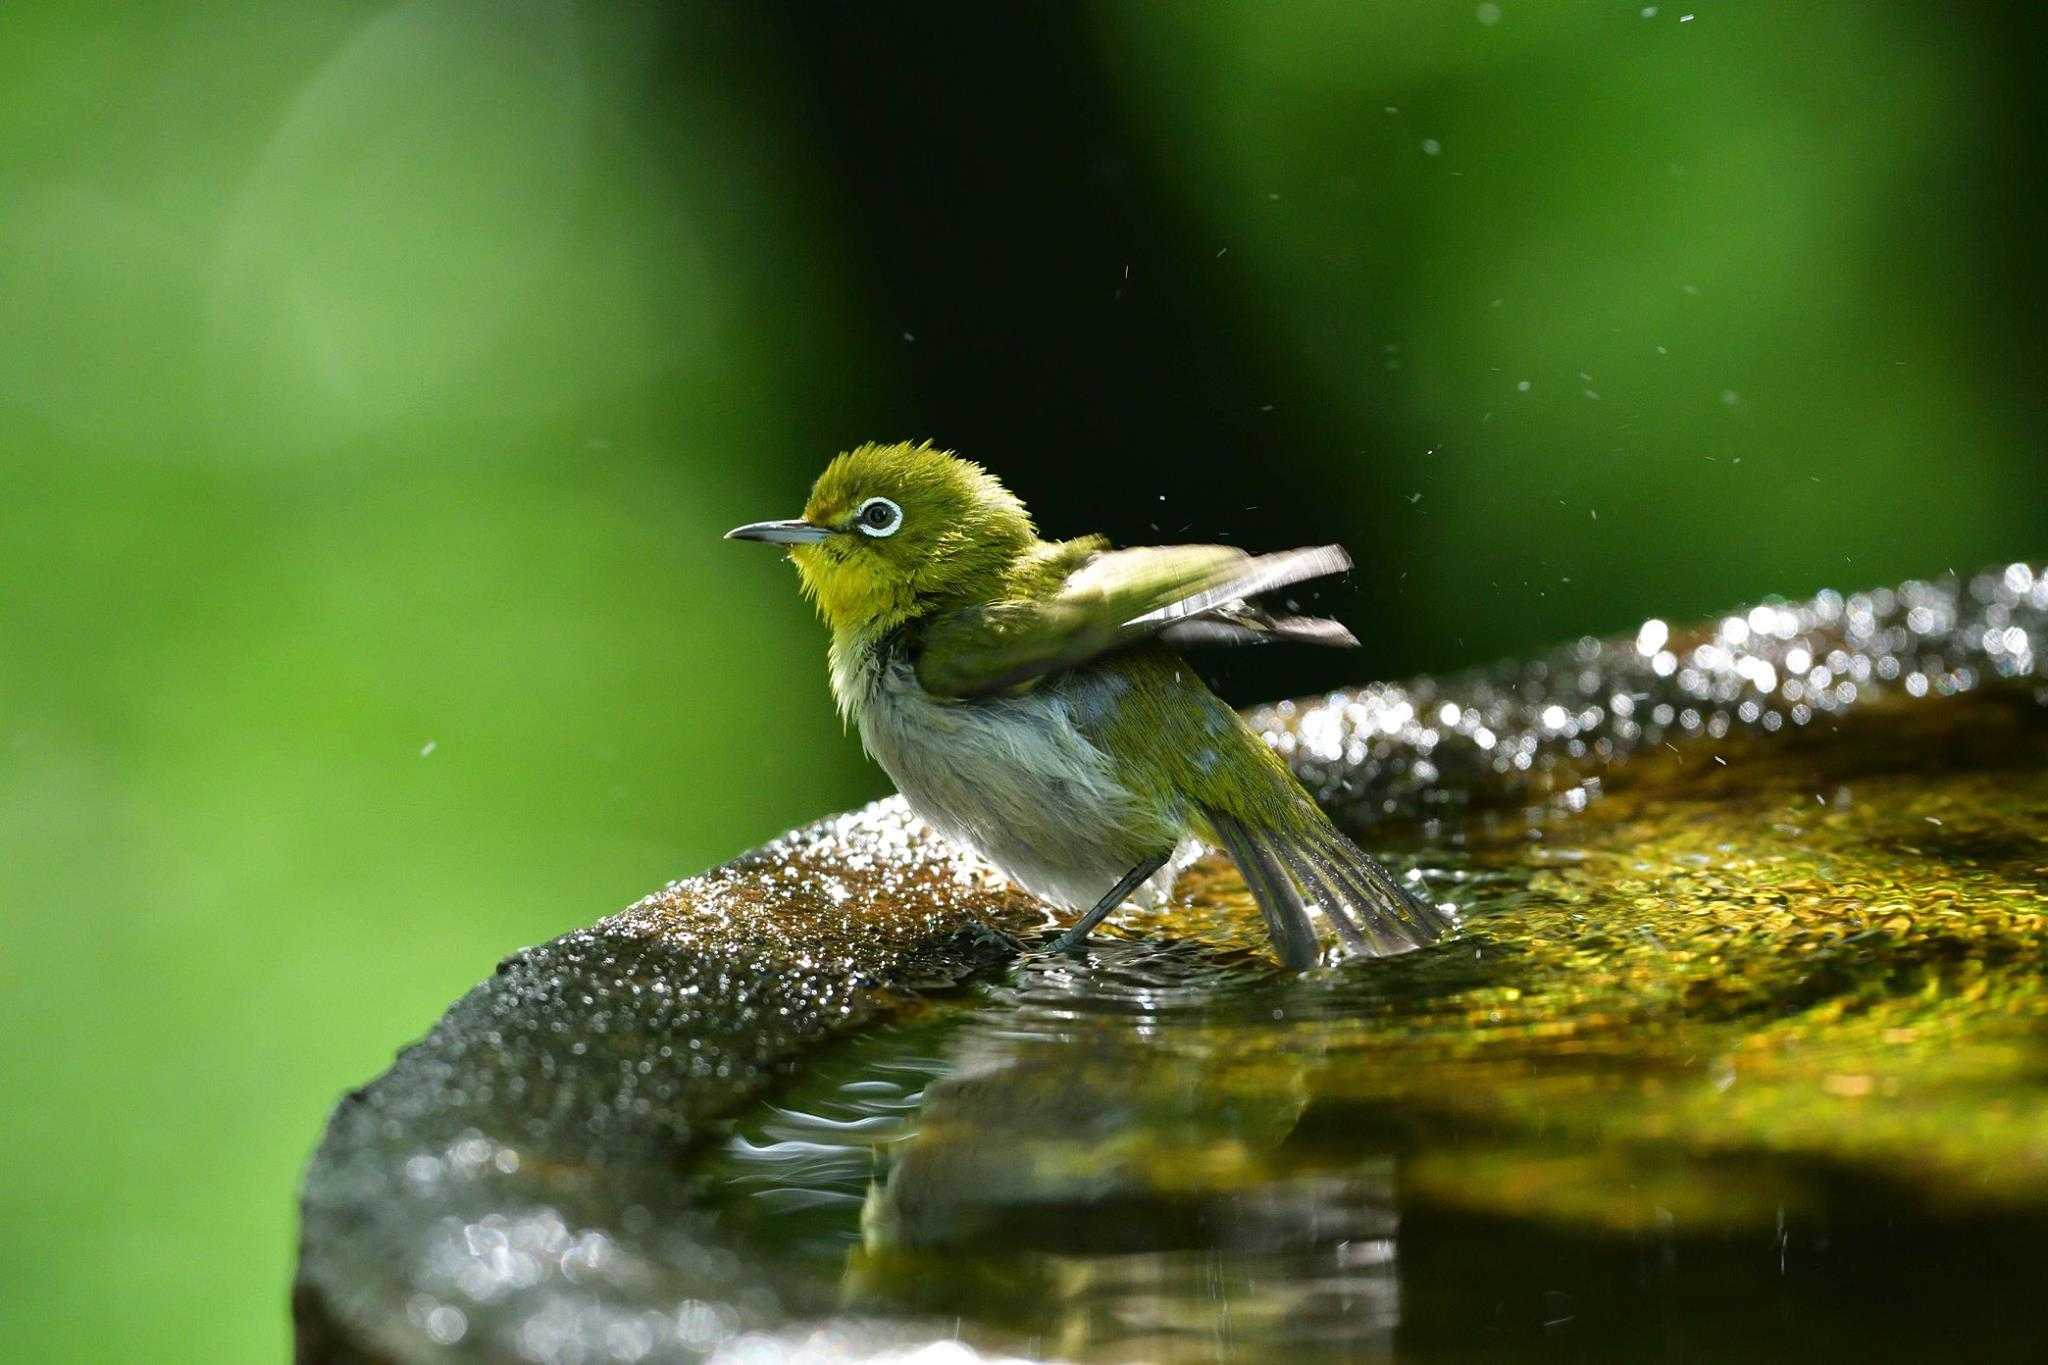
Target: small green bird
[{"x": 1028, "y": 699}]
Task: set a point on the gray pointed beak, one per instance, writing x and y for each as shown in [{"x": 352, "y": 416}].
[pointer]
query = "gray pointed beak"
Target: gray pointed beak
[{"x": 780, "y": 532}]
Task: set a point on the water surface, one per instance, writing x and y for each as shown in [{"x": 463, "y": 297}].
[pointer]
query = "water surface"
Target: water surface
[{"x": 1760, "y": 1071}]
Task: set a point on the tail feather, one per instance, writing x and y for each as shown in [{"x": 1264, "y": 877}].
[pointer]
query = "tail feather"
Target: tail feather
[
  {"x": 1412, "y": 921},
  {"x": 1318, "y": 884},
  {"x": 1294, "y": 938},
  {"x": 1289, "y": 869}
]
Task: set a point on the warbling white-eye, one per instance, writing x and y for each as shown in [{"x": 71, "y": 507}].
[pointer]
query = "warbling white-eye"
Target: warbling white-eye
[{"x": 1028, "y": 699}]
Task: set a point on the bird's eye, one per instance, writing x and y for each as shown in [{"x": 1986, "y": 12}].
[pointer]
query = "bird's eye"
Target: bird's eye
[{"x": 879, "y": 517}]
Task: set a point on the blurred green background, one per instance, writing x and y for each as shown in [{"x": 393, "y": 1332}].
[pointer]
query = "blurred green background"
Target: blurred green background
[{"x": 375, "y": 381}]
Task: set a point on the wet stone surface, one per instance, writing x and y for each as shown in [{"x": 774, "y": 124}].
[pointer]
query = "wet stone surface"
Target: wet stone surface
[
  {"x": 1585, "y": 718},
  {"x": 516, "y": 1184},
  {"x": 1745, "y": 1011}
]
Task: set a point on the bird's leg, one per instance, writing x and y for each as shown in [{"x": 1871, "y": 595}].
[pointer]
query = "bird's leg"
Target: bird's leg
[{"x": 1131, "y": 881}]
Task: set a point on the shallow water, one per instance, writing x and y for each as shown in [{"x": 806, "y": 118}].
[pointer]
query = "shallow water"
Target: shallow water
[{"x": 1760, "y": 1072}]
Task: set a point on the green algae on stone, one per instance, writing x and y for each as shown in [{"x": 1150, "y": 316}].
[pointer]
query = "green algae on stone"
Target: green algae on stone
[
  {"x": 1854, "y": 979},
  {"x": 1671, "y": 1022}
]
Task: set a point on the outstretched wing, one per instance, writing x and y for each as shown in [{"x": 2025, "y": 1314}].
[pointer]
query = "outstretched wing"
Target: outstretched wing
[
  {"x": 1240, "y": 623},
  {"x": 1183, "y": 593}
]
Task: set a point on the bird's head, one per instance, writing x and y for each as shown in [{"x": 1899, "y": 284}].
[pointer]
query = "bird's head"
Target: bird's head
[{"x": 892, "y": 531}]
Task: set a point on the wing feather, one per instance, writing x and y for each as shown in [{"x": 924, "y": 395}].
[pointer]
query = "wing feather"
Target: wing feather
[
  {"x": 1239, "y": 624},
  {"x": 1116, "y": 599},
  {"x": 1280, "y": 900}
]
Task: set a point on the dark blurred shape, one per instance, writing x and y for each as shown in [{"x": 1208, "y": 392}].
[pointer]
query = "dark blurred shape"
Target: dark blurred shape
[{"x": 1554, "y": 320}]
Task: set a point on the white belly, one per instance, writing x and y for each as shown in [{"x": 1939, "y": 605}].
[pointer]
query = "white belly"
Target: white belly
[{"x": 1015, "y": 779}]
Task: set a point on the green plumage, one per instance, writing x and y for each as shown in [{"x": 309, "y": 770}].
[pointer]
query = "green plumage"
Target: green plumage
[{"x": 1028, "y": 696}]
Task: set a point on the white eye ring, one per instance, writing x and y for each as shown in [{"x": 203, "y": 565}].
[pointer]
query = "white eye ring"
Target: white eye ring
[{"x": 878, "y": 517}]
